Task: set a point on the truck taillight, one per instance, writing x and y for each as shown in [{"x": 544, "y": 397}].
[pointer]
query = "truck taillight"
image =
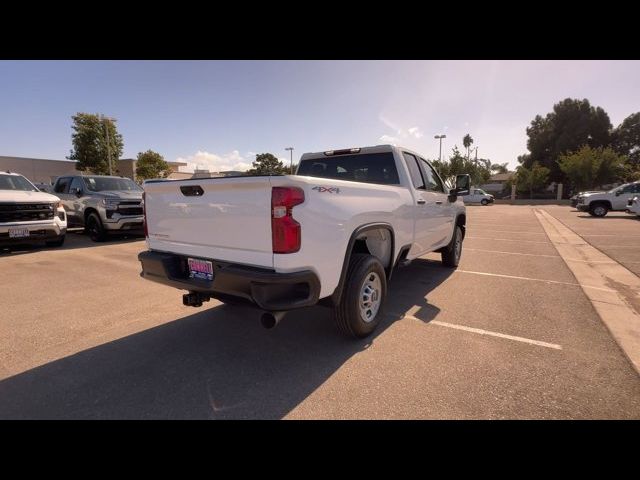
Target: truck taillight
[
  {"x": 144, "y": 213},
  {"x": 285, "y": 231}
]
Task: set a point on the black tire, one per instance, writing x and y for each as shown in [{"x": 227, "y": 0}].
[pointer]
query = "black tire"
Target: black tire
[
  {"x": 348, "y": 317},
  {"x": 452, "y": 253},
  {"x": 484, "y": 201},
  {"x": 598, "y": 209},
  {"x": 56, "y": 243},
  {"x": 95, "y": 229}
]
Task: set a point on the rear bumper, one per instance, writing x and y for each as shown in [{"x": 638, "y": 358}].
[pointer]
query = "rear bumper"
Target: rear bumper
[{"x": 264, "y": 288}]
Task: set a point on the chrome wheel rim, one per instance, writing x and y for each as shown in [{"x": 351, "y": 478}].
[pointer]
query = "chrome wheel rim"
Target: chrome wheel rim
[
  {"x": 599, "y": 211},
  {"x": 370, "y": 294},
  {"x": 458, "y": 245}
]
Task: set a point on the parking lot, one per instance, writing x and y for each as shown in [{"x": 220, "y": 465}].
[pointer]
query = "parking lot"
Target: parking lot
[{"x": 509, "y": 334}]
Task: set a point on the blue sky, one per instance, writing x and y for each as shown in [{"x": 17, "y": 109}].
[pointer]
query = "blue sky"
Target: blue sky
[{"x": 218, "y": 114}]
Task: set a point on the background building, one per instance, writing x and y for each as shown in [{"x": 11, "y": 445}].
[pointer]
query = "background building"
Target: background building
[{"x": 42, "y": 170}]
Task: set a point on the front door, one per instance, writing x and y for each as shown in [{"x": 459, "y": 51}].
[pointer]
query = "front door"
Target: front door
[
  {"x": 619, "y": 202},
  {"x": 425, "y": 210}
]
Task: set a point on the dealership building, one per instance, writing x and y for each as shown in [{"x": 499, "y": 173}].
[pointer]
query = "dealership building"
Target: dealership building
[{"x": 41, "y": 170}]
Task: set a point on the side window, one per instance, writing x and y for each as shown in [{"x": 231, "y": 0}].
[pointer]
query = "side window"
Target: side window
[
  {"x": 414, "y": 171},
  {"x": 76, "y": 183},
  {"x": 62, "y": 185},
  {"x": 434, "y": 184}
]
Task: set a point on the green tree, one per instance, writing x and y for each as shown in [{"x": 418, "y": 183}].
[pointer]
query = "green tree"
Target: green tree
[
  {"x": 572, "y": 124},
  {"x": 591, "y": 167},
  {"x": 467, "y": 141},
  {"x": 532, "y": 178},
  {"x": 267, "y": 164},
  {"x": 626, "y": 139},
  {"x": 90, "y": 147},
  {"x": 458, "y": 164},
  {"x": 500, "y": 167},
  {"x": 151, "y": 164}
]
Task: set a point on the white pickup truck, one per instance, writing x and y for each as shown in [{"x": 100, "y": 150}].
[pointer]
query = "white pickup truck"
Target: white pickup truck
[
  {"x": 598, "y": 204},
  {"x": 331, "y": 235},
  {"x": 27, "y": 215}
]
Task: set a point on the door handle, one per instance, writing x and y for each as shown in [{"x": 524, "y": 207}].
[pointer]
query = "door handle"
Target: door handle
[
  {"x": 421, "y": 202},
  {"x": 438, "y": 202}
]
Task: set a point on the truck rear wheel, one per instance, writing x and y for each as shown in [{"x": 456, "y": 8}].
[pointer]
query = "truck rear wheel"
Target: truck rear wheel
[
  {"x": 363, "y": 297},
  {"x": 452, "y": 253}
]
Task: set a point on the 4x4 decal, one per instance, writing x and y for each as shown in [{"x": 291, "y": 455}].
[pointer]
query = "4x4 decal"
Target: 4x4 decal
[{"x": 326, "y": 189}]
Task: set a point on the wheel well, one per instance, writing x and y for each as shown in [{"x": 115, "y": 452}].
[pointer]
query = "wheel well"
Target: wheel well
[
  {"x": 377, "y": 242},
  {"x": 88, "y": 212},
  {"x": 374, "y": 239},
  {"x": 606, "y": 203}
]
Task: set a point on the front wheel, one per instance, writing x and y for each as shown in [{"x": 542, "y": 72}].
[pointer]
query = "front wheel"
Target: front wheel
[
  {"x": 598, "y": 210},
  {"x": 452, "y": 253},
  {"x": 55, "y": 243},
  {"x": 95, "y": 228},
  {"x": 484, "y": 201},
  {"x": 363, "y": 297}
]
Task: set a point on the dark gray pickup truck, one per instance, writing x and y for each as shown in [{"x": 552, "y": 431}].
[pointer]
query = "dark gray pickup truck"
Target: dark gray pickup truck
[{"x": 101, "y": 204}]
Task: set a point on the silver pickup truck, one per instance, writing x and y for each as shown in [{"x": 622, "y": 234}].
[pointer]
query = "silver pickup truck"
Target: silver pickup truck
[{"x": 101, "y": 204}]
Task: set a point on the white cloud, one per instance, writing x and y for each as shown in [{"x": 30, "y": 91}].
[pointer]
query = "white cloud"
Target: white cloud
[
  {"x": 388, "y": 138},
  {"x": 415, "y": 132},
  {"x": 215, "y": 163},
  {"x": 400, "y": 132}
]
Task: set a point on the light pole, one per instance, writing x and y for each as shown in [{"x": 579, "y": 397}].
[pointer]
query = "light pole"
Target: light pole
[
  {"x": 440, "y": 137},
  {"x": 290, "y": 149},
  {"x": 103, "y": 118}
]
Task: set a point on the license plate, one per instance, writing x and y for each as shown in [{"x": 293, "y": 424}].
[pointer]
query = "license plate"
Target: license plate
[
  {"x": 18, "y": 232},
  {"x": 200, "y": 269}
]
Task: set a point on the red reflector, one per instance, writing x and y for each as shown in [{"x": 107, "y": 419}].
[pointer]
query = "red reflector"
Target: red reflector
[{"x": 285, "y": 231}]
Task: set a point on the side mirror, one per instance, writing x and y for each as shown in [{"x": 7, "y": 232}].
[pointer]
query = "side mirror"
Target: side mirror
[
  {"x": 618, "y": 193},
  {"x": 76, "y": 191},
  {"x": 463, "y": 184}
]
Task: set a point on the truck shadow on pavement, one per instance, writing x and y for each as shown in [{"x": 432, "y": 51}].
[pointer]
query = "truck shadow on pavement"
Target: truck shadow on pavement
[
  {"x": 74, "y": 240},
  {"x": 218, "y": 363}
]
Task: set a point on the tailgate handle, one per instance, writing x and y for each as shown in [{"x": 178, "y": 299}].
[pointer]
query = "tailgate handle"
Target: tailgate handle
[{"x": 192, "y": 190}]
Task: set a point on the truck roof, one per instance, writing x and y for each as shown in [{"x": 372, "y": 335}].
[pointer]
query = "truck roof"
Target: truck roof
[{"x": 350, "y": 150}]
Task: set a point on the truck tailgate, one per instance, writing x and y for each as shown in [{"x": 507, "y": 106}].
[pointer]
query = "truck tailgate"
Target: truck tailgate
[{"x": 226, "y": 219}]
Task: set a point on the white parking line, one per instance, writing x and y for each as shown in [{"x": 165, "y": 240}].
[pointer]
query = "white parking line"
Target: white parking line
[
  {"x": 520, "y": 232},
  {"x": 506, "y": 239},
  {"x": 480, "y": 331},
  {"x": 532, "y": 279},
  {"x": 512, "y": 253}
]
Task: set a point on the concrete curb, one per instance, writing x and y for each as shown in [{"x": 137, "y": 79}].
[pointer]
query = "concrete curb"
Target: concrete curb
[{"x": 618, "y": 289}]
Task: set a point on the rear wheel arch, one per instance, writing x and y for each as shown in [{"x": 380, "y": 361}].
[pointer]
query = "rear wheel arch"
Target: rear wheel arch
[{"x": 376, "y": 239}]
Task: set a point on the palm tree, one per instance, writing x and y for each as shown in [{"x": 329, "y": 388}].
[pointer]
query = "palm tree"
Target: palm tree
[{"x": 467, "y": 141}]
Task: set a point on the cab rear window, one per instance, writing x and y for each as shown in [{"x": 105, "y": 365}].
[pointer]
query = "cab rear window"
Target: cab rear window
[{"x": 366, "y": 167}]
